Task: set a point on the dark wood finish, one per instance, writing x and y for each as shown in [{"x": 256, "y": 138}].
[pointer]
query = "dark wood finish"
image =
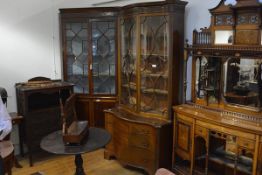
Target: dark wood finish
[
  {"x": 141, "y": 130},
  {"x": 219, "y": 131},
  {"x": 39, "y": 105},
  {"x": 53, "y": 143},
  {"x": 89, "y": 106},
  {"x": 92, "y": 109},
  {"x": 138, "y": 141},
  {"x": 7, "y": 154},
  {"x": 73, "y": 131}
]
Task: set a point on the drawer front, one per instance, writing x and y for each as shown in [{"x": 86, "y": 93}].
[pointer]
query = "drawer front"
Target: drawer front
[
  {"x": 120, "y": 132},
  {"x": 200, "y": 131},
  {"x": 109, "y": 119},
  {"x": 142, "y": 137},
  {"x": 246, "y": 143},
  {"x": 184, "y": 118},
  {"x": 141, "y": 157}
]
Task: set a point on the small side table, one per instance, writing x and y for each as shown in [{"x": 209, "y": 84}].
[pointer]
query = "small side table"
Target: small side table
[{"x": 97, "y": 138}]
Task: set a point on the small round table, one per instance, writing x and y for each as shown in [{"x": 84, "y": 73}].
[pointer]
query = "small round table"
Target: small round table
[{"x": 97, "y": 138}]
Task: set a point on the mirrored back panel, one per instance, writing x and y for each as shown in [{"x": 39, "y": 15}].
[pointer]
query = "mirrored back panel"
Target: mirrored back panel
[
  {"x": 207, "y": 79},
  {"x": 243, "y": 82}
]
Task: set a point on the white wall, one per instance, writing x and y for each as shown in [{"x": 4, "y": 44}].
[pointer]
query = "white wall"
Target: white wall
[{"x": 29, "y": 37}]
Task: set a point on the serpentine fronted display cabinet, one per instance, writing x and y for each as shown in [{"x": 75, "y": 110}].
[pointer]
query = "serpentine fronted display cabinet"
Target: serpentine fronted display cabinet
[
  {"x": 151, "y": 67},
  {"x": 220, "y": 131}
]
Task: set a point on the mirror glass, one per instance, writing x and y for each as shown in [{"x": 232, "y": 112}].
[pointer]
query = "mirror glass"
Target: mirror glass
[
  {"x": 201, "y": 63},
  {"x": 243, "y": 82},
  {"x": 224, "y": 37},
  {"x": 207, "y": 79}
]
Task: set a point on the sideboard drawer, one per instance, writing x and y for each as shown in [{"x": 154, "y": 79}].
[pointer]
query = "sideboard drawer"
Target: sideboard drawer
[{"x": 200, "y": 131}]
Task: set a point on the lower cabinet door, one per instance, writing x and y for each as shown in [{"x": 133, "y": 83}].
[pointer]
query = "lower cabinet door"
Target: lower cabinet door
[
  {"x": 183, "y": 139},
  {"x": 99, "y": 107}
]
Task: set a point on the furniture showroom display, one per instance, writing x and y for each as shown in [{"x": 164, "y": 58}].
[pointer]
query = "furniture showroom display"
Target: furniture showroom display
[
  {"x": 89, "y": 49},
  {"x": 38, "y": 102},
  {"x": 220, "y": 131},
  {"x": 150, "y": 68}
]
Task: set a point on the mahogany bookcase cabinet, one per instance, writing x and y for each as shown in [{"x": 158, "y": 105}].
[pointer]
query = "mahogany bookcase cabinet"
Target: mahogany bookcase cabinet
[
  {"x": 150, "y": 69},
  {"x": 89, "y": 49}
]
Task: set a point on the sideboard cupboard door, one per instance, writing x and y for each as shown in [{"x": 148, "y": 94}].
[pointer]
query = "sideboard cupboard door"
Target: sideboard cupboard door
[{"x": 183, "y": 139}]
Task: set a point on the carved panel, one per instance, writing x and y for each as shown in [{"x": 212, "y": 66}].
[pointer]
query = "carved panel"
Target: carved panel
[
  {"x": 247, "y": 37},
  {"x": 183, "y": 136},
  {"x": 247, "y": 19},
  {"x": 224, "y": 20}
]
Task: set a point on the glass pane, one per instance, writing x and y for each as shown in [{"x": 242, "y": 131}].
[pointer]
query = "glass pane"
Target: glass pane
[
  {"x": 224, "y": 37},
  {"x": 222, "y": 154},
  {"x": 76, "y": 49},
  {"x": 128, "y": 62},
  {"x": 207, "y": 79},
  {"x": 154, "y": 64},
  {"x": 245, "y": 161},
  {"x": 243, "y": 82},
  {"x": 200, "y": 156},
  {"x": 104, "y": 57}
]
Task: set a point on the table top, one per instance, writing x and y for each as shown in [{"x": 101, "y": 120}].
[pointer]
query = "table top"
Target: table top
[{"x": 97, "y": 138}]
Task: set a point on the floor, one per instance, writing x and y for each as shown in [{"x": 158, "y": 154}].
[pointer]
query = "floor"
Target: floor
[{"x": 94, "y": 164}]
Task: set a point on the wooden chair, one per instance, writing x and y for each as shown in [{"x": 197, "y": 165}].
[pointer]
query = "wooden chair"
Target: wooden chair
[
  {"x": 7, "y": 156},
  {"x": 73, "y": 131}
]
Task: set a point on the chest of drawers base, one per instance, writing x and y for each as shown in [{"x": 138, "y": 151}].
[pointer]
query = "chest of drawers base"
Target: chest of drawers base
[{"x": 137, "y": 142}]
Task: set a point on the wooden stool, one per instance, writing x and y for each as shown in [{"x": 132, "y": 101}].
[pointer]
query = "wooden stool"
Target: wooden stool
[{"x": 7, "y": 154}]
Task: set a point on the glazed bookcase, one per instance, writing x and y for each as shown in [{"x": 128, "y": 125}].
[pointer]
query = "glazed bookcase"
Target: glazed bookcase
[
  {"x": 89, "y": 45},
  {"x": 150, "y": 69}
]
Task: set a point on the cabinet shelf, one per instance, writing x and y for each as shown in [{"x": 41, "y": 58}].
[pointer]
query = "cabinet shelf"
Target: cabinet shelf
[
  {"x": 131, "y": 86},
  {"x": 211, "y": 69},
  {"x": 103, "y": 75},
  {"x": 222, "y": 160},
  {"x": 154, "y": 75},
  {"x": 154, "y": 54},
  {"x": 154, "y": 91}
]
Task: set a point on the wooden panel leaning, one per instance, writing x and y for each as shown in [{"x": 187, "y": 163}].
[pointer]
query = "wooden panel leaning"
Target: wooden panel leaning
[{"x": 73, "y": 131}]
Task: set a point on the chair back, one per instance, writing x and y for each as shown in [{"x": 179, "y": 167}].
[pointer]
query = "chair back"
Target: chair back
[{"x": 68, "y": 112}]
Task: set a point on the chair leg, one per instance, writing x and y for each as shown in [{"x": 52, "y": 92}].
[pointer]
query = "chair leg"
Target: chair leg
[
  {"x": 16, "y": 163},
  {"x": 1, "y": 166}
]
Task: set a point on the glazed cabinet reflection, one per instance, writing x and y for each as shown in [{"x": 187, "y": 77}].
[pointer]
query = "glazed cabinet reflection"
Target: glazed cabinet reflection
[
  {"x": 90, "y": 59},
  {"x": 145, "y": 69}
]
